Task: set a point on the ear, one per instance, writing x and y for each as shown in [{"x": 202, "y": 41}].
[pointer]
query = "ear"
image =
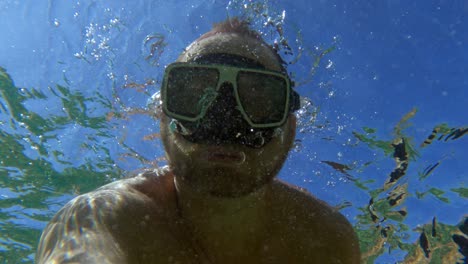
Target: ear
[
  {"x": 290, "y": 128},
  {"x": 164, "y": 129}
]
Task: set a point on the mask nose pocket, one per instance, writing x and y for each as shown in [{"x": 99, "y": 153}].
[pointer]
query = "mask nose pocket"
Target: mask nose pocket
[
  {"x": 223, "y": 111},
  {"x": 223, "y": 121}
]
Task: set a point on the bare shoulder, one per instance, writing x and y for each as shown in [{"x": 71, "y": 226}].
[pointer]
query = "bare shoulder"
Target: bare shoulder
[
  {"x": 318, "y": 230},
  {"x": 100, "y": 225}
]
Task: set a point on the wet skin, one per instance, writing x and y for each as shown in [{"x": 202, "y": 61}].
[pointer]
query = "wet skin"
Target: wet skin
[
  {"x": 139, "y": 221},
  {"x": 213, "y": 204}
]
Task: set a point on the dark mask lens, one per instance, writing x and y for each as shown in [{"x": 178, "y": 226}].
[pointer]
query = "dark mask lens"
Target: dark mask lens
[
  {"x": 263, "y": 96},
  {"x": 188, "y": 87}
]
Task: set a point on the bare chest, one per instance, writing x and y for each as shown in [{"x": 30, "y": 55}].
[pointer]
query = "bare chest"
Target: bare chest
[{"x": 165, "y": 246}]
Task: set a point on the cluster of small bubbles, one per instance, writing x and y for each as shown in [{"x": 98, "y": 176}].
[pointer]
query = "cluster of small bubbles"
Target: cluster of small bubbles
[
  {"x": 297, "y": 146},
  {"x": 306, "y": 115},
  {"x": 279, "y": 20},
  {"x": 265, "y": 19},
  {"x": 339, "y": 155},
  {"x": 114, "y": 21},
  {"x": 343, "y": 179},
  {"x": 104, "y": 43},
  {"x": 111, "y": 76},
  {"x": 154, "y": 101},
  {"x": 331, "y": 183},
  {"x": 306, "y": 103},
  {"x": 339, "y": 129},
  {"x": 325, "y": 85},
  {"x": 97, "y": 40},
  {"x": 90, "y": 31},
  {"x": 79, "y": 55}
]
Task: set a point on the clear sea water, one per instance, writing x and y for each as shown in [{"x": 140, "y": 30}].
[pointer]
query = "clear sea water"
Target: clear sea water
[{"x": 382, "y": 131}]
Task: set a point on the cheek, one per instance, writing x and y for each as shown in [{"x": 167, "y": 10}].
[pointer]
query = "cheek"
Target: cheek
[
  {"x": 268, "y": 160},
  {"x": 175, "y": 150}
]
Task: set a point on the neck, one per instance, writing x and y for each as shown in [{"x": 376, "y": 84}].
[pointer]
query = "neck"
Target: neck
[{"x": 220, "y": 223}]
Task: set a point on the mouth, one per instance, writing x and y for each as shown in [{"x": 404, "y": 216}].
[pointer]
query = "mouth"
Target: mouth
[{"x": 223, "y": 155}]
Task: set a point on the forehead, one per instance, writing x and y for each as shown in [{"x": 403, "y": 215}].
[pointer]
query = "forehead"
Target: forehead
[
  {"x": 228, "y": 59},
  {"x": 232, "y": 43}
]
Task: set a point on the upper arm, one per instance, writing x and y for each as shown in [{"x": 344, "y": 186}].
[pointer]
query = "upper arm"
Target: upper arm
[
  {"x": 346, "y": 244},
  {"x": 325, "y": 235},
  {"x": 328, "y": 239},
  {"x": 340, "y": 243},
  {"x": 81, "y": 233}
]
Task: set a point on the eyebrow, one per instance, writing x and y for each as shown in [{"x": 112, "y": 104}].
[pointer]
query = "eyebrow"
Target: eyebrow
[{"x": 228, "y": 59}]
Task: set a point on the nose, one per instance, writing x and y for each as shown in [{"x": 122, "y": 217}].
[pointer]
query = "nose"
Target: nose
[
  {"x": 226, "y": 94},
  {"x": 225, "y": 102},
  {"x": 223, "y": 113}
]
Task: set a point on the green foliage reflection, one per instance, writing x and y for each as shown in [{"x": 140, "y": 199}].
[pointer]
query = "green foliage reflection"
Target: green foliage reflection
[
  {"x": 30, "y": 179},
  {"x": 381, "y": 225}
]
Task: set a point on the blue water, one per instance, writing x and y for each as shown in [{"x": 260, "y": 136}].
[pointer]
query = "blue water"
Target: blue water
[{"x": 77, "y": 114}]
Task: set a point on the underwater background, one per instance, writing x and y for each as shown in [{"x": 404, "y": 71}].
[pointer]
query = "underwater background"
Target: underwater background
[{"x": 382, "y": 130}]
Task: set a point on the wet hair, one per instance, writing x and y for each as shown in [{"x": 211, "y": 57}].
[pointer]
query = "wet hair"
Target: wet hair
[{"x": 233, "y": 25}]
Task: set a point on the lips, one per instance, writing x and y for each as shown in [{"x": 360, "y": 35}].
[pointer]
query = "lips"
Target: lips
[{"x": 220, "y": 155}]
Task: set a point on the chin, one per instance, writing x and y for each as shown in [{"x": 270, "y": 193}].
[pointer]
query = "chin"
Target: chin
[
  {"x": 217, "y": 177},
  {"x": 223, "y": 171}
]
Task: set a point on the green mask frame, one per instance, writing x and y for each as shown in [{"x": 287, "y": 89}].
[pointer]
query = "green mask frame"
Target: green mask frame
[{"x": 264, "y": 98}]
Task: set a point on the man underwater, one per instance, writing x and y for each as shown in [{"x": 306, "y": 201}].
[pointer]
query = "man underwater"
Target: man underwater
[{"x": 227, "y": 125}]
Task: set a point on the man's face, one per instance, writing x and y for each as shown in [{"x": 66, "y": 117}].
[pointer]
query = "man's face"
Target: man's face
[{"x": 217, "y": 164}]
